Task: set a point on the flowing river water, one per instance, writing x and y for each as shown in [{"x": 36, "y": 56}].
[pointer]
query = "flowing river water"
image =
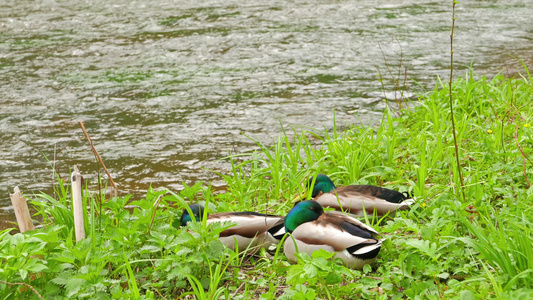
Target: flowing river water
[{"x": 166, "y": 88}]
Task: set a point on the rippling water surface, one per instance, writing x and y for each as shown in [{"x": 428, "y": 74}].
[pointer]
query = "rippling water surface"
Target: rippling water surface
[{"x": 165, "y": 88}]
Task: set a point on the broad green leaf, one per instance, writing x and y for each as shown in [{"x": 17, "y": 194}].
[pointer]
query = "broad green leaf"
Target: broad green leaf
[{"x": 23, "y": 273}]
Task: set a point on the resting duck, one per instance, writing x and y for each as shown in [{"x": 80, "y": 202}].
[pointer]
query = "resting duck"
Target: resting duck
[
  {"x": 311, "y": 229},
  {"x": 357, "y": 199},
  {"x": 252, "y": 229}
]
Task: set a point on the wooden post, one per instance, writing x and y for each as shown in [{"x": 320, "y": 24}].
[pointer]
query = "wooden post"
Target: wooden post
[
  {"x": 21, "y": 211},
  {"x": 77, "y": 205}
]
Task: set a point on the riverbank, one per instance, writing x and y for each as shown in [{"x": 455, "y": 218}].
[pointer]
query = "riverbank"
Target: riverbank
[{"x": 444, "y": 247}]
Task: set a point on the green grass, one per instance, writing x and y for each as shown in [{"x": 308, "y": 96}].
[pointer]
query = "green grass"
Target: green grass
[{"x": 444, "y": 248}]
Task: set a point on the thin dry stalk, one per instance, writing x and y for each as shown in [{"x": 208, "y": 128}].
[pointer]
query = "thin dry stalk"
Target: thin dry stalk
[
  {"x": 451, "y": 107},
  {"x": 98, "y": 157},
  {"x": 402, "y": 95},
  {"x": 524, "y": 157},
  {"x": 503, "y": 144},
  {"x": 382, "y": 82},
  {"x": 157, "y": 291},
  {"x": 237, "y": 290},
  {"x": 396, "y": 79},
  {"x": 383, "y": 86},
  {"x": 100, "y": 197},
  {"x": 24, "y": 284},
  {"x": 406, "y": 85}
]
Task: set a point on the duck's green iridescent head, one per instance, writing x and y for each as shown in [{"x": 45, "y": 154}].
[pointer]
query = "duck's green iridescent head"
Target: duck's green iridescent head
[
  {"x": 197, "y": 211},
  {"x": 303, "y": 212},
  {"x": 322, "y": 184}
]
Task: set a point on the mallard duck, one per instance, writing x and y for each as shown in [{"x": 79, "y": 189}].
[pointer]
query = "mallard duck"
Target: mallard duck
[
  {"x": 311, "y": 229},
  {"x": 252, "y": 229},
  {"x": 357, "y": 199}
]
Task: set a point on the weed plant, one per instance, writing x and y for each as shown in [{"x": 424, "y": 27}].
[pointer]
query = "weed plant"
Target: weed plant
[{"x": 444, "y": 248}]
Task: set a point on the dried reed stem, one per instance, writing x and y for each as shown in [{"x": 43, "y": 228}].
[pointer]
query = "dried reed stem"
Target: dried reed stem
[
  {"x": 451, "y": 106},
  {"x": 98, "y": 157},
  {"x": 24, "y": 284},
  {"x": 524, "y": 157}
]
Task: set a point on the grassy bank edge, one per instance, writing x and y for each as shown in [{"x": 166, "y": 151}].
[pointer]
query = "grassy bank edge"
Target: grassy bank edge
[{"x": 442, "y": 248}]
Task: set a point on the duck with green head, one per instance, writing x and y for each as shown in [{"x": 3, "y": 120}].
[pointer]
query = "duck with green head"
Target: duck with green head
[
  {"x": 251, "y": 230},
  {"x": 312, "y": 229},
  {"x": 356, "y": 200}
]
